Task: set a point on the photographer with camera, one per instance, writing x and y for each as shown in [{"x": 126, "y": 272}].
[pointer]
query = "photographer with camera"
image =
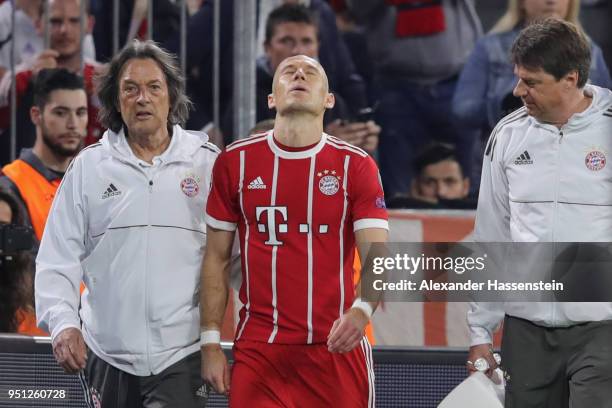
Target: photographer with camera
[{"x": 16, "y": 273}]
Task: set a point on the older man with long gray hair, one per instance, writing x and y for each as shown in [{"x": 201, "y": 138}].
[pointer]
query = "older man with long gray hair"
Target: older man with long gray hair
[{"x": 128, "y": 220}]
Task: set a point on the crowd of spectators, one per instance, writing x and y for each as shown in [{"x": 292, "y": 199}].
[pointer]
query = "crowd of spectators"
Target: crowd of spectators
[{"x": 413, "y": 80}]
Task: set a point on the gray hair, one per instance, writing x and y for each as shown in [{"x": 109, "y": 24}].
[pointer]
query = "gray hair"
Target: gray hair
[{"x": 108, "y": 84}]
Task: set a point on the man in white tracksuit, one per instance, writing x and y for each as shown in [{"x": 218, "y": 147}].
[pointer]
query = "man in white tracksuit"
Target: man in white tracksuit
[
  {"x": 546, "y": 179},
  {"x": 128, "y": 221}
]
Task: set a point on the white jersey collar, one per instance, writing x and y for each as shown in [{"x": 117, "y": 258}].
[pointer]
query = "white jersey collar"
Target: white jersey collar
[{"x": 303, "y": 154}]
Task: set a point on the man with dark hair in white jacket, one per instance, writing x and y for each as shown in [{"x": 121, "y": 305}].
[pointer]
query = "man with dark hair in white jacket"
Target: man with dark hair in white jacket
[
  {"x": 128, "y": 220},
  {"x": 546, "y": 179}
]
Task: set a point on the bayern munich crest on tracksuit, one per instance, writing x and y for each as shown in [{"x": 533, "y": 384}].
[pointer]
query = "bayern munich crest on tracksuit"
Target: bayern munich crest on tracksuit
[
  {"x": 190, "y": 186},
  {"x": 595, "y": 160},
  {"x": 96, "y": 400}
]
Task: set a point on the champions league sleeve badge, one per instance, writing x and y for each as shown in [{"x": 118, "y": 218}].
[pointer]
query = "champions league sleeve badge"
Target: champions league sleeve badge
[
  {"x": 595, "y": 160},
  {"x": 190, "y": 185},
  {"x": 329, "y": 184}
]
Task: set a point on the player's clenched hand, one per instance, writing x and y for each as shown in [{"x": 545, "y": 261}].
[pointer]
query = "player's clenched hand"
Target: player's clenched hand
[
  {"x": 215, "y": 370},
  {"x": 69, "y": 350},
  {"x": 347, "y": 331}
]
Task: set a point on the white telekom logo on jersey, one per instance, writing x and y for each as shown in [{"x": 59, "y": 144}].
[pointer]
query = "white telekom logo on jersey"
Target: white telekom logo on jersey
[{"x": 269, "y": 221}]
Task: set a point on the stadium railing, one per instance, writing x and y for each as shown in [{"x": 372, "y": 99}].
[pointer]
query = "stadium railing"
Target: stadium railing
[{"x": 406, "y": 377}]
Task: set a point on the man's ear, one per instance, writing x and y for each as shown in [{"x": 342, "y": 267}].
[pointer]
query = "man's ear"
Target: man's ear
[
  {"x": 571, "y": 79},
  {"x": 271, "y": 102},
  {"x": 35, "y": 115},
  {"x": 330, "y": 101}
]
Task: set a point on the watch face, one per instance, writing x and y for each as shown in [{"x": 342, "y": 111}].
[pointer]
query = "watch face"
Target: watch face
[{"x": 481, "y": 364}]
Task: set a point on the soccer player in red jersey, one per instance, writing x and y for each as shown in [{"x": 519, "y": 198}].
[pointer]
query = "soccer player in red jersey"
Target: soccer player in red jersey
[{"x": 301, "y": 200}]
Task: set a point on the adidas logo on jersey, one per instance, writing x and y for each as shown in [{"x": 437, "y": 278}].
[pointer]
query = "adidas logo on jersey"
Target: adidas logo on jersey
[
  {"x": 523, "y": 159},
  {"x": 111, "y": 191},
  {"x": 257, "y": 184}
]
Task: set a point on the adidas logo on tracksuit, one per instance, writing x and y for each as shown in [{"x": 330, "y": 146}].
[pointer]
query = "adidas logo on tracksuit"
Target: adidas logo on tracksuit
[
  {"x": 257, "y": 184},
  {"x": 111, "y": 191},
  {"x": 523, "y": 159},
  {"x": 203, "y": 392}
]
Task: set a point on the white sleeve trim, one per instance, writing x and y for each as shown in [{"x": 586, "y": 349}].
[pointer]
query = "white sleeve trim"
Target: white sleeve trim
[
  {"x": 218, "y": 224},
  {"x": 370, "y": 223},
  {"x": 483, "y": 318},
  {"x": 480, "y": 335}
]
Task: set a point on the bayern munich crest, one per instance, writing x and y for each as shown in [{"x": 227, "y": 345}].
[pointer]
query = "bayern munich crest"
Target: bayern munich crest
[
  {"x": 329, "y": 183},
  {"x": 595, "y": 160},
  {"x": 190, "y": 186}
]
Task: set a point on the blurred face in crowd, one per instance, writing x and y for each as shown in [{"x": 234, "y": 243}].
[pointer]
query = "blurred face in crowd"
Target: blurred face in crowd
[
  {"x": 144, "y": 101},
  {"x": 63, "y": 121},
  {"x": 300, "y": 85},
  {"x": 65, "y": 27},
  {"x": 542, "y": 94},
  {"x": 443, "y": 180},
  {"x": 541, "y": 9},
  {"x": 6, "y": 215},
  {"x": 291, "y": 39}
]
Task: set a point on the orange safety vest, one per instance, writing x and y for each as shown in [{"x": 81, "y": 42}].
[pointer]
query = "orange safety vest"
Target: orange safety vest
[
  {"x": 36, "y": 191},
  {"x": 27, "y": 324}
]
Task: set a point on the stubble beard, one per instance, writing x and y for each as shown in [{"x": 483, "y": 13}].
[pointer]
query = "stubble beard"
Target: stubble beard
[{"x": 56, "y": 147}]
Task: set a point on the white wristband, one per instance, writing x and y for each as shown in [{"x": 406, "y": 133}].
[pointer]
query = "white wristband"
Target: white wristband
[
  {"x": 365, "y": 306},
  {"x": 210, "y": 337}
]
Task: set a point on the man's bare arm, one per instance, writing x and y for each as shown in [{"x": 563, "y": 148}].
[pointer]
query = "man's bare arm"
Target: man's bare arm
[
  {"x": 214, "y": 291},
  {"x": 347, "y": 331},
  {"x": 214, "y": 285},
  {"x": 364, "y": 239}
]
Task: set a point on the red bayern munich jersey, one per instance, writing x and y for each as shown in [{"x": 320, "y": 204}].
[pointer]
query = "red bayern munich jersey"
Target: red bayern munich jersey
[{"x": 296, "y": 212}]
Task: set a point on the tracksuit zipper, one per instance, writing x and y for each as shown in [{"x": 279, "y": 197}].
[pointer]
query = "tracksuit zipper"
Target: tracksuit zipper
[
  {"x": 146, "y": 292},
  {"x": 149, "y": 180},
  {"x": 555, "y": 210}
]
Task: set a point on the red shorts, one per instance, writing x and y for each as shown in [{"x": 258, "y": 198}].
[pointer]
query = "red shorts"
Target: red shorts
[{"x": 295, "y": 375}]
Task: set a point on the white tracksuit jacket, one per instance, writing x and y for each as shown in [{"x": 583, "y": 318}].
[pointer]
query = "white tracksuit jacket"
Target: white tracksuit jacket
[
  {"x": 135, "y": 234},
  {"x": 545, "y": 184}
]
